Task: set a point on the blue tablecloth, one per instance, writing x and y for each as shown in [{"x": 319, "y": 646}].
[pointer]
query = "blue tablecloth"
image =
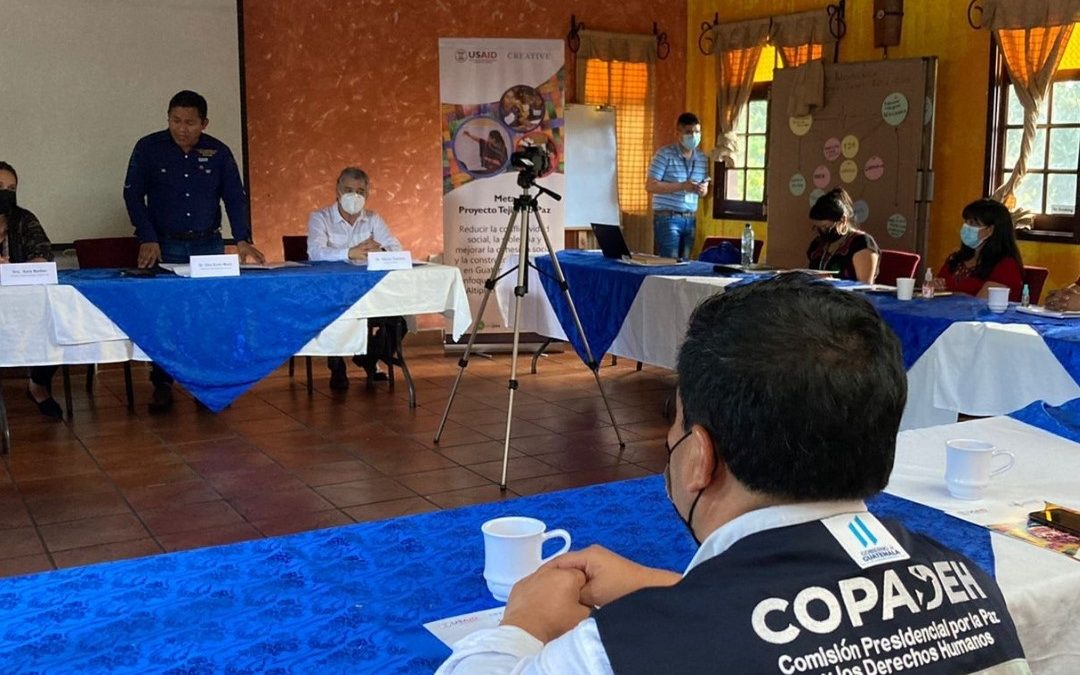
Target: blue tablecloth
[
  {"x": 220, "y": 336},
  {"x": 1062, "y": 420},
  {"x": 348, "y": 599},
  {"x": 603, "y": 290},
  {"x": 920, "y": 322}
]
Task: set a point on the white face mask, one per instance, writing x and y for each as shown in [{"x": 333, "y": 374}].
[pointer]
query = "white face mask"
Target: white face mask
[
  {"x": 691, "y": 141},
  {"x": 351, "y": 203}
]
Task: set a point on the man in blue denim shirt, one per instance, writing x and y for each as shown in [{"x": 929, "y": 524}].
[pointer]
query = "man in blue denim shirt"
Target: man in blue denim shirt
[
  {"x": 176, "y": 181},
  {"x": 678, "y": 175}
]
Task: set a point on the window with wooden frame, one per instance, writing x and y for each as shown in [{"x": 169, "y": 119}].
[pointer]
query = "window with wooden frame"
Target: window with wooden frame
[
  {"x": 740, "y": 182},
  {"x": 1050, "y": 189}
]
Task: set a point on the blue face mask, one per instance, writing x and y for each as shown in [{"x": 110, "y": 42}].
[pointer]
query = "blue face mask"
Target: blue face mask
[
  {"x": 691, "y": 141},
  {"x": 969, "y": 236}
]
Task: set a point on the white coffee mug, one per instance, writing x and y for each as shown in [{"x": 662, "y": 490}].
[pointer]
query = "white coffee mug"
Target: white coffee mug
[
  {"x": 999, "y": 299},
  {"x": 513, "y": 549},
  {"x": 968, "y": 466},
  {"x": 905, "y": 288}
]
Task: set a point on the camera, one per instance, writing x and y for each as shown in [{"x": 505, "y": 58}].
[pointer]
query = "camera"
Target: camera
[{"x": 532, "y": 162}]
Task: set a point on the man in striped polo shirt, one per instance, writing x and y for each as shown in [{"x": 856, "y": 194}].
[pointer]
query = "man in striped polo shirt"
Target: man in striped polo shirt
[{"x": 678, "y": 175}]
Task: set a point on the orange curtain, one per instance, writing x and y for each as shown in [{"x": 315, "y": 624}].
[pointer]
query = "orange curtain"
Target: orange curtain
[
  {"x": 738, "y": 49},
  {"x": 793, "y": 57},
  {"x": 619, "y": 70},
  {"x": 1031, "y": 57}
]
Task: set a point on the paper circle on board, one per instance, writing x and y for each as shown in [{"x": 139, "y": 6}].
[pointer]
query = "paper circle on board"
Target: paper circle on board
[
  {"x": 862, "y": 211},
  {"x": 832, "y": 149},
  {"x": 849, "y": 146},
  {"x": 822, "y": 176},
  {"x": 874, "y": 168},
  {"x": 800, "y": 124},
  {"x": 815, "y": 195},
  {"x": 896, "y": 225},
  {"x": 894, "y": 108},
  {"x": 848, "y": 170},
  {"x": 797, "y": 184}
]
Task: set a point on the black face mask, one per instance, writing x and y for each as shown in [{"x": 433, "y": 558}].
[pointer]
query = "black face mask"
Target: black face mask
[{"x": 7, "y": 201}]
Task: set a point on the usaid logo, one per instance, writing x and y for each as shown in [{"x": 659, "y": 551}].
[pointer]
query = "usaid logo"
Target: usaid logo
[
  {"x": 865, "y": 539},
  {"x": 476, "y": 55},
  {"x": 862, "y": 532}
]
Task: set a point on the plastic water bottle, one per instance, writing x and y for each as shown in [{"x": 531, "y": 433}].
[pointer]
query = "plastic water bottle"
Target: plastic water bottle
[
  {"x": 1025, "y": 297},
  {"x": 747, "y": 245},
  {"x": 928, "y": 284}
]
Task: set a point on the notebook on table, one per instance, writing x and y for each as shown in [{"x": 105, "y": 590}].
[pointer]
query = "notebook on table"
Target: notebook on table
[{"x": 613, "y": 245}]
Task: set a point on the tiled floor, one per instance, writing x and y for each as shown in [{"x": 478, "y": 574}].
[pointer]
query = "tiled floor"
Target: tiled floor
[{"x": 113, "y": 484}]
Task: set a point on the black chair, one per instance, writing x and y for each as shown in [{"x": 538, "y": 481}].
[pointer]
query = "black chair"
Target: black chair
[{"x": 104, "y": 253}]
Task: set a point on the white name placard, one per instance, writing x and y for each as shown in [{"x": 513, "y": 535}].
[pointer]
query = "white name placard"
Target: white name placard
[
  {"x": 205, "y": 266},
  {"x": 378, "y": 261},
  {"x": 28, "y": 274}
]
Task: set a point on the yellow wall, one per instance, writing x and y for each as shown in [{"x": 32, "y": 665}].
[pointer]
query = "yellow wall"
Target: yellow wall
[{"x": 931, "y": 28}]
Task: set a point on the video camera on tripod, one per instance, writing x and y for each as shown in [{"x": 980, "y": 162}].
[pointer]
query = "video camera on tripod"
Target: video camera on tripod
[{"x": 531, "y": 161}]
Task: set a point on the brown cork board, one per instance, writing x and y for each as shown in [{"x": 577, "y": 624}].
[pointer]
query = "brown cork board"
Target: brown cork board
[{"x": 873, "y": 136}]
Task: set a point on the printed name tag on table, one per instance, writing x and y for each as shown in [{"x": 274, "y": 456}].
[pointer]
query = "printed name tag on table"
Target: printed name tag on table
[
  {"x": 378, "y": 261},
  {"x": 205, "y": 266},
  {"x": 28, "y": 274}
]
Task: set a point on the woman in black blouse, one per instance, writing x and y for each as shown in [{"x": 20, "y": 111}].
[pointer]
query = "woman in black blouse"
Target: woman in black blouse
[
  {"x": 22, "y": 239},
  {"x": 840, "y": 247}
]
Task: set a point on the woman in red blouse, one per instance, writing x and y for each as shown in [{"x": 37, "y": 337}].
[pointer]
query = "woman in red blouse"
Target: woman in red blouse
[{"x": 988, "y": 254}]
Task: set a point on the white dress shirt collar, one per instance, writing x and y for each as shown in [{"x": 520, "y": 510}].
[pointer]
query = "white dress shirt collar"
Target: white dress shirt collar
[{"x": 769, "y": 518}]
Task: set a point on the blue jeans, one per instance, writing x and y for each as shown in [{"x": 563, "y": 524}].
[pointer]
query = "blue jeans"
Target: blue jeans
[
  {"x": 673, "y": 235},
  {"x": 173, "y": 251}
]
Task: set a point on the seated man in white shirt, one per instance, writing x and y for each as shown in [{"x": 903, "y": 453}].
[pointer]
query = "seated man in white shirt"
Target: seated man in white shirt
[
  {"x": 347, "y": 231},
  {"x": 789, "y": 400}
]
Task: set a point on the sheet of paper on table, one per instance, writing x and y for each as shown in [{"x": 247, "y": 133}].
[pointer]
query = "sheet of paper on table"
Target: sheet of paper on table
[
  {"x": 179, "y": 269},
  {"x": 271, "y": 265},
  {"x": 1011, "y": 520},
  {"x": 454, "y": 628}
]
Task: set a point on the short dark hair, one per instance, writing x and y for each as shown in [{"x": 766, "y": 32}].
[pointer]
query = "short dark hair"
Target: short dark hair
[
  {"x": 4, "y": 166},
  {"x": 188, "y": 99},
  {"x": 686, "y": 119},
  {"x": 1001, "y": 244},
  {"x": 834, "y": 205},
  {"x": 799, "y": 384}
]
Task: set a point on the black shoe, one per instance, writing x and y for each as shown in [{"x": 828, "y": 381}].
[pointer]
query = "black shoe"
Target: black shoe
[
  {"x": 49, "y": 407},
  {"x": 370, "y": 366},
  {"x": 162, "y": 400},
  {"x": 339, "y": 381}
]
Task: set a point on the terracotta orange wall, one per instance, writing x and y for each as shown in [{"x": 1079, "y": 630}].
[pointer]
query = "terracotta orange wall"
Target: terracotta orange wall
[{"x": 332, "y": 83}]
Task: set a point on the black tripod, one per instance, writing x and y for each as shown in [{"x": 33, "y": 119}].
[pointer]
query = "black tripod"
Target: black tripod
[{"x": 524, "y": 206}]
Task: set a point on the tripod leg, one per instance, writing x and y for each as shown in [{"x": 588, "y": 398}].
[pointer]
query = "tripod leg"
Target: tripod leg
[
  {"x": 519, "y": 292},
  {"x": 489, "y": 286},
  {"x": 593, "y": 365}
]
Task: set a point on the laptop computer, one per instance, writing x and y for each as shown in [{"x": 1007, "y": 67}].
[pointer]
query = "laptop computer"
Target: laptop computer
[{"x": 613, "y": 245}]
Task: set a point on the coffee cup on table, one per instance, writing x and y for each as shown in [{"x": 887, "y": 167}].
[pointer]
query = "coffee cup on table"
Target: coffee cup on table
[
  {"x": 969, "y": 466},
  {"x": 513, "y": 549},
  {"x": 998, "y": 299},
  {"x": 905, "y": 288}
]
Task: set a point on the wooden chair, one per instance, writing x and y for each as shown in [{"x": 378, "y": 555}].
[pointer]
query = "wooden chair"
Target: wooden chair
[
  {"x": 893, "y": 265},
  {"x": 1035, "y": 278},
  {"x": 104, "y": 253}
]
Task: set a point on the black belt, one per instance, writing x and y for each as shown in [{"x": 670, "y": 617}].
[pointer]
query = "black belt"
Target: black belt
[
  {"x": 675, "y": 213},
  {"x": 192, "y": 235}
]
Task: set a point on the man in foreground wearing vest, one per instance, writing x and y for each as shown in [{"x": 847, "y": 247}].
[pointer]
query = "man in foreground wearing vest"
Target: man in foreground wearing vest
[{"x": 789, "y": 400}]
